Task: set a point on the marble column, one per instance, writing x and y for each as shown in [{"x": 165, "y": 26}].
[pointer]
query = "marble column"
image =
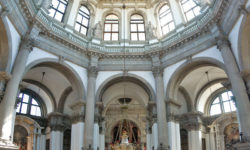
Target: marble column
[
  {"x": 174, "y": 134},
  {"x": 194, "y": 139},
  {"x": 161, "y": 107},
  {"x": 96, "y": 136},
  {"x": 77, "y": 127},
  {"x": 73, "y": 13},
  {"x": 149, "y": 137},
  {"x": 38, "y": 139},
  {"x": 90, "y": 108},
  {"x": 34, "y": 139},
  {"x": 57, "y": 122},
  {"x": 7, "y": 105},
  {"x": 238, "y": 86},
  {"x": 102, "y": 135}
]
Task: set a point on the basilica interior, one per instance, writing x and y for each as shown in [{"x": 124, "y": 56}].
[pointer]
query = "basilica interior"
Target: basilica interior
[{"x": 124, "y": 74}]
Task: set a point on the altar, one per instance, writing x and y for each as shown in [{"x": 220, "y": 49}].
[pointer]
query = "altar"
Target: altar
[{"x": 124, "y": 145}]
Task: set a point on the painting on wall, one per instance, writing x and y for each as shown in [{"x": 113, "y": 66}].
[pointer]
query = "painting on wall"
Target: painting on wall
[{"x": 232, "y": 136}]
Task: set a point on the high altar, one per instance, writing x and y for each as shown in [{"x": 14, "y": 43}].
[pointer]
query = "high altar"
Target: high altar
[{"x": 125, "y": 145}]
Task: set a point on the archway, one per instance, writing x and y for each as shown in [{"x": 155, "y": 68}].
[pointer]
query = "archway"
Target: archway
[
  {"x": 193, "y": 78},
  {"x": 125, "y": 99}
]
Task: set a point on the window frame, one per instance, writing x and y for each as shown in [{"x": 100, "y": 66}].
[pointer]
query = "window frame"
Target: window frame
[
  {"x": 137, "y": 32},
  {"x": 36, "y": 97},
  {"x": 83, "y": 15},
  {"x": 221, "y": 102},
  {"x": 191, "y": 9},
  {"x": 56, "y": 9},
  {"x": 111, "y": 32},
  {"x": 163, "y": 15}
]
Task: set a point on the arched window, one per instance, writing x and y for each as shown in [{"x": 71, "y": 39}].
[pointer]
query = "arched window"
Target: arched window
[
  {"x": 190, "y": 9},
  {"x": 222, "y": 103},
  {"x": 111, "y": 29},
  {"x": 29, "y": 105},
  {"x": 82, "y": 20},
  {"x": 137, "y": 29},
  {"x": 58, "y": 9},
  {"x": 166, "y": 19}
]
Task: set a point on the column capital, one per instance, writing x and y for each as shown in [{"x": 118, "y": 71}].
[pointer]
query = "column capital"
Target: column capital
[
  {"x": 4, "y": 11},
  {"x": 227, "y": 85},
  {"x": 4, "y": 76},
  {"x": 27, "y": 43},
  {"x": 92, "y": 71},
  {"x": 157, "y": 71},
  {"x": 58, "y": 121},
  {"x": 222, "y": 42},
  {"x": 243, "y": 10}
]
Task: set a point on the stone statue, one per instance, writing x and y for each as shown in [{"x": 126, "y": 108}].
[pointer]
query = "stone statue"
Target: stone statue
[
  {"x": 150, "y": 31},
  {"x": 97, "y": 30},
  {"x": 124, "y": 137}
]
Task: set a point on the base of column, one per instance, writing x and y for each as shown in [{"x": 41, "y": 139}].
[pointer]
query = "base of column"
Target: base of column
[
  {"x": 161, "y": 147},
  {"x": 7, "y": 145},
  {"x": 242, "y": 146}
]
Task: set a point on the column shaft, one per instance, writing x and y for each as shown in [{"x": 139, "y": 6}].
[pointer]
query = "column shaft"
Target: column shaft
[
  {"x": 90, "y": 109},
  {"x": 77, "y": 132},
  {"x": 161, "y": 109},
  {"x": 56, "y": 140},
  {"x": 7, "y": 105},
  {"x": 238, "y": 86}
]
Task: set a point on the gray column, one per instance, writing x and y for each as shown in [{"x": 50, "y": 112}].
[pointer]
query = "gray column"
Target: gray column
[
  {"x": 161, "y": 108},
  {"x": 90, "y": 108},
  {"x": 238, "y": 86},
  {"x": 77, "y": 127},
  {"x": 8, "y": 103},
  {"x": 58, "y": 122}
]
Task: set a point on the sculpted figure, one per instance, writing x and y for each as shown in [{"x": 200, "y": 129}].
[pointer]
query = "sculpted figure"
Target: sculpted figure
[
  {"x": 150, "y": 32},
  {"x": 98, "y": 30}
]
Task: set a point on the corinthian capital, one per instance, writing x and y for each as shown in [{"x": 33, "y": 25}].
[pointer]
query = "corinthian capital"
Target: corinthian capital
[
  {"x": 27, "y": 43},
  {"x": 157, "y": 71},
  {"x": 4, "y": 11},
  {"x": 222, "y": 42},
  {"x": 92, "y": 71}
]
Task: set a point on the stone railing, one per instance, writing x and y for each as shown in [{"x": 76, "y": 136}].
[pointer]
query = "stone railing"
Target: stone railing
[{"x": 180, "y": 35}]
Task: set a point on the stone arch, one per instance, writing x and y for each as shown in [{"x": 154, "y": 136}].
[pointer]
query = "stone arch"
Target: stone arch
[
  {"x": 45, "y": 89},
  {"x": 111, "y": 127},
  {"x": 63, "y": 98},
  {"x": 66, "y": 70},
  {"x": 204, "y": 88},
  {"x": 129, "y": 77},
  {"x": 184, "y": 69},
  {"x": 243, "y": 43},
  {"x": 189, "y": 102},
  {"x": 5, "y": 46}
]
